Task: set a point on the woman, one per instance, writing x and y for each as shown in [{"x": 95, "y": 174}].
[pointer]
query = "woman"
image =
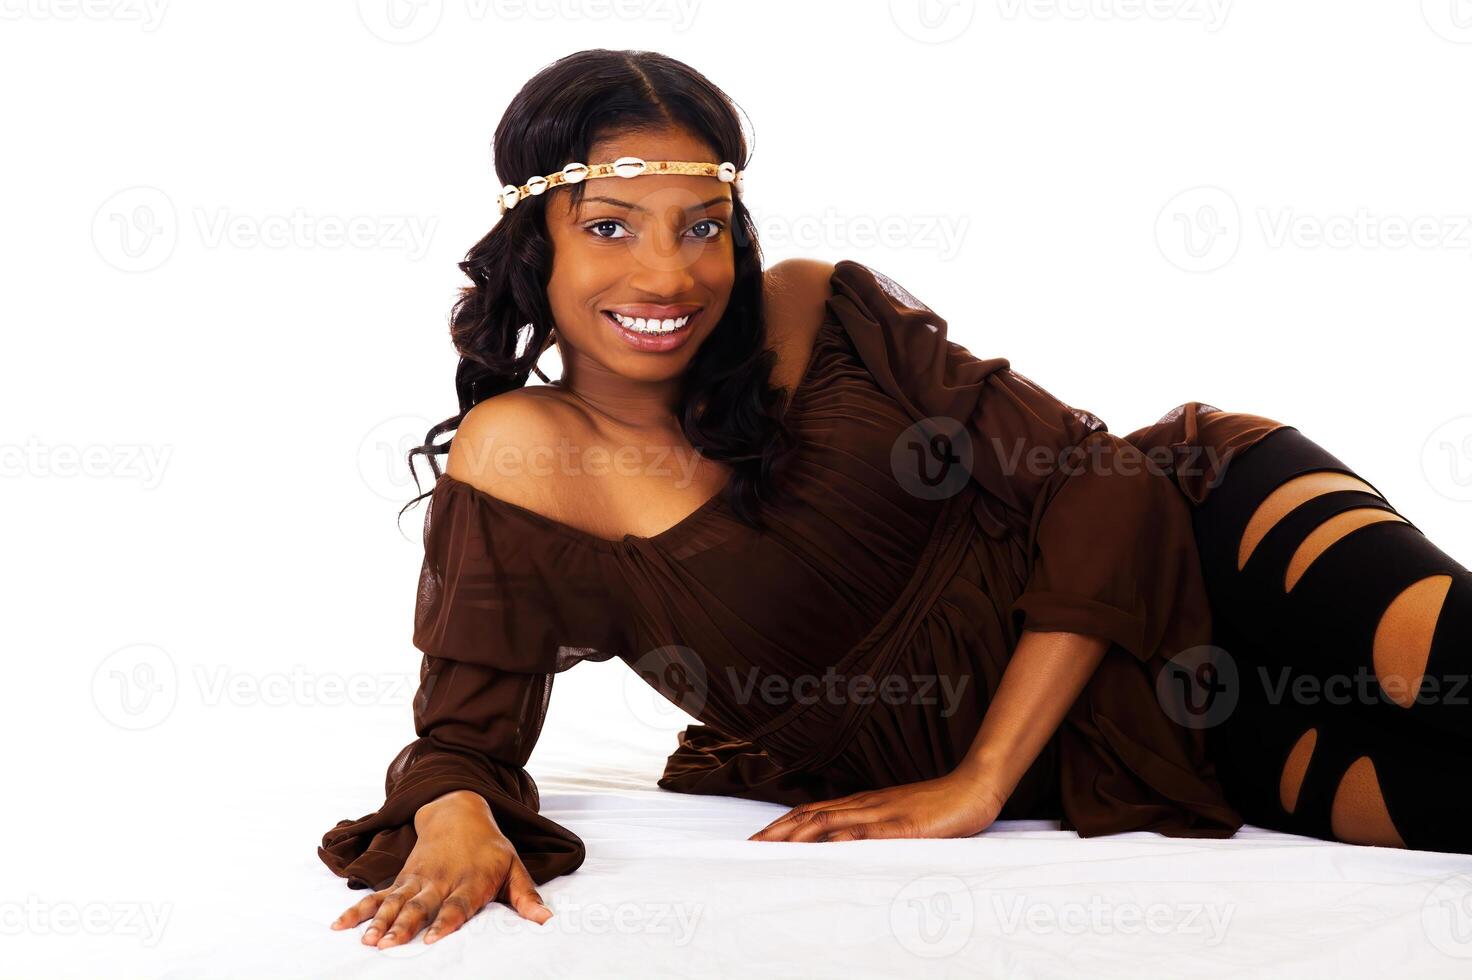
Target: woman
[{"x": 905, "y": 590}]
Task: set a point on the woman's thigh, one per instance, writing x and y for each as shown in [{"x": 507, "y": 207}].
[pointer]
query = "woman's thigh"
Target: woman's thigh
[
  {"x": 1304, "y": 557},
  {"x": 1350, "y": 638}
]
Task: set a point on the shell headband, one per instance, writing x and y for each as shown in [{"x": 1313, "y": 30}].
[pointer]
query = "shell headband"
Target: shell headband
[{"x": 575, "y": 173}]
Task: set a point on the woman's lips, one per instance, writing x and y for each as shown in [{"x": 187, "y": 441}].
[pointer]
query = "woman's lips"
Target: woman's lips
[{"x": 653, "y": 342}]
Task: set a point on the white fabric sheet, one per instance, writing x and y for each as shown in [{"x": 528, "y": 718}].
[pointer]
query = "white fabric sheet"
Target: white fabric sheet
[{"x": 671, "y": 887}]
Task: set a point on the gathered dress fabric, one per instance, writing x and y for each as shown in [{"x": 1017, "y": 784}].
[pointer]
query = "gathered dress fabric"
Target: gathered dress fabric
[{"x": 938, "y": 505}]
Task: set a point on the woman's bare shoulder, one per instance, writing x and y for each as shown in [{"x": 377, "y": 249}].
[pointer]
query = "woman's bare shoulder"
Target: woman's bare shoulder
[
  {"x": 508, "y": 446},
  {"x": 794, "y": 285},
  {"x": 795, "y": 293}
]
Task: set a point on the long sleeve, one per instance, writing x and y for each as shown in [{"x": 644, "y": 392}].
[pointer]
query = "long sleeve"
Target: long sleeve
[
  {"x": 1114, "y": 554},
  {"x": 490, "y": 654},
  {"x": 477, "y": 726}
]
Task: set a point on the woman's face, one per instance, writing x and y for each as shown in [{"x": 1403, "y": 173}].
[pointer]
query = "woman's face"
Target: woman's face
[{"x": 656, "y": 247}]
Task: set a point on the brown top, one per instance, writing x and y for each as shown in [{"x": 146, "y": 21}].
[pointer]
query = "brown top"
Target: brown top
[{"x": 879, "y": 562}]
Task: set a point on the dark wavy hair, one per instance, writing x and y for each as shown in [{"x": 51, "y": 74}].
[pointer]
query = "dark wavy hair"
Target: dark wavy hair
[{"x": 727, "y": 406}]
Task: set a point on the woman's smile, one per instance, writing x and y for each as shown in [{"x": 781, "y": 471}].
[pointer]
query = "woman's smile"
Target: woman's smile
[{"x": 653, "y": 329}]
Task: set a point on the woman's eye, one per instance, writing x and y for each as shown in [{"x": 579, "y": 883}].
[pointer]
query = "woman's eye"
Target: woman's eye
[
  {"x": 714, "y": 225},
  {"x": 606, "y": 223},
  {"x": 706, "y": 230}
]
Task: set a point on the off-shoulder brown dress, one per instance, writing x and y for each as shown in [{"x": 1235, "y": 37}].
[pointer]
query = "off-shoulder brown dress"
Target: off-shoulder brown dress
[{"x": 877, "y": 563}]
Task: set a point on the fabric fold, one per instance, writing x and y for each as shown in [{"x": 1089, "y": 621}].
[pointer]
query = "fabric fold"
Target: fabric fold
[
  {"x": 710, "y": 762},
  {"x": 1108, "y": 550},
  {"x": 1104, "y": 532}
]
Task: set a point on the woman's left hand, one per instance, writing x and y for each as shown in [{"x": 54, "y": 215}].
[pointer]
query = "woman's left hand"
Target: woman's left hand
[{"x": 954, "y": 805}]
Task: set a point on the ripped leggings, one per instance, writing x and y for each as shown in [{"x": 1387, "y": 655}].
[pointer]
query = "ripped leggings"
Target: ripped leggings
[{"x": 1348, "y": 649}]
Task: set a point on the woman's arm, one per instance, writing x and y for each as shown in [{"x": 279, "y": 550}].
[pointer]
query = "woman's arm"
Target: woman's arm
[
  {"x": 1047, "y": 672},
  {"x": 1111, "y": 563},
  {"x": 1041, "y": 681}
]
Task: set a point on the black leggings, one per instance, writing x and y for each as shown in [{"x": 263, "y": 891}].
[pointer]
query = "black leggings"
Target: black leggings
[{"x": 1346, "y": 645}]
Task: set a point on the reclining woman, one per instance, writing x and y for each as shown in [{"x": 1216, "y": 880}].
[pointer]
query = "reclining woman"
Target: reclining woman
[{"x": 810, "y": 480}]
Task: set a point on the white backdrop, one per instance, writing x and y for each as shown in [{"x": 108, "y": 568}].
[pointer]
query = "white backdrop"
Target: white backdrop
[{"x": 229, "y": 235}]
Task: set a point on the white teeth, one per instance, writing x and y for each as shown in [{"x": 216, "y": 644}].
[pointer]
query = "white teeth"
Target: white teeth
[{"x": 641, "y": 325}]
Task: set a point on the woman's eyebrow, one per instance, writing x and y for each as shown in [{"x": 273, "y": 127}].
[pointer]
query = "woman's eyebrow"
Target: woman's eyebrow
[{"x": 634, "y": 207}]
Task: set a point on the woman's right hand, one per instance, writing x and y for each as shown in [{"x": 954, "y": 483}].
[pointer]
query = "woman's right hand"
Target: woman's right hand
[{"x": 460, "y": 862}]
